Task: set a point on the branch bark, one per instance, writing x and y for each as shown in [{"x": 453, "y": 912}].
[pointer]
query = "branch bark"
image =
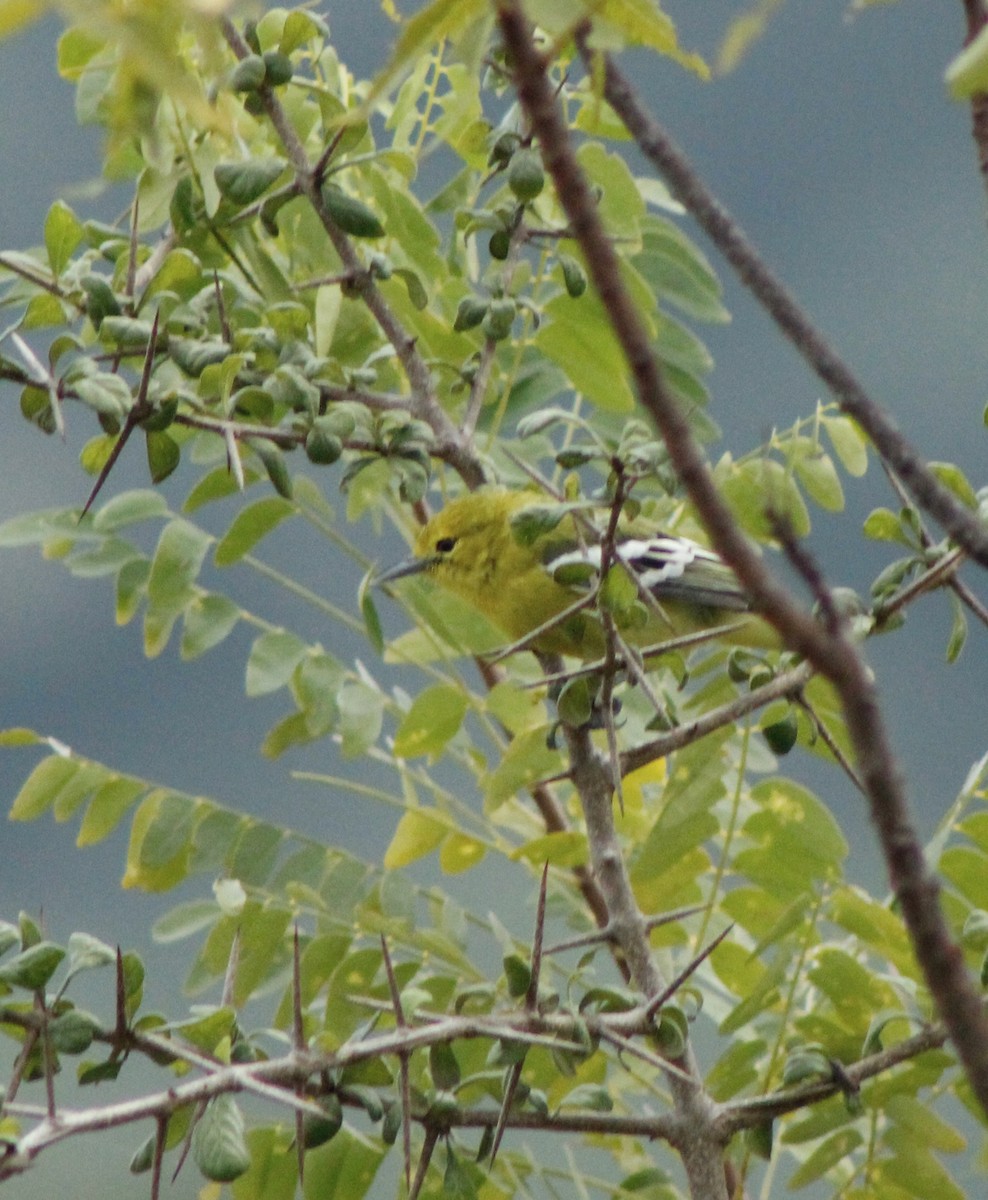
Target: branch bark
[
  {"x": 782, "y": 306},
  {"x": 828, "y": 648}
]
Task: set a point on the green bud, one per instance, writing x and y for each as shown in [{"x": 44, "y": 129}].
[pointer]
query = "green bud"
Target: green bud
[
  {"x": 781, "y": 736},
  {"x": 322, "y": 447},
  {"x": 350, "y": 214},
  {"x": 526, "y": 178},
  {"x": 574, "y": 276},
  {"x": 316, "y": 1131},
  {"x": 499, "y": 244},
  {"x": 469, "y": 313},
  {"x": 249, "y": 74},
  {"x": 277, "y": 67},
  {"x": 503, "y": 149},
  {"x": 499, "y": 319}
]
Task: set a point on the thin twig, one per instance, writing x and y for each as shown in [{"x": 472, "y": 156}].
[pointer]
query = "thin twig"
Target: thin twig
[
  {"x": 690, "y": 190},
  {"x": 829, "y": 649}
]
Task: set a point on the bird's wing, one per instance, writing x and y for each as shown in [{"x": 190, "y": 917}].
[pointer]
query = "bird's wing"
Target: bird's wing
[{"x": 671, "y": 568}]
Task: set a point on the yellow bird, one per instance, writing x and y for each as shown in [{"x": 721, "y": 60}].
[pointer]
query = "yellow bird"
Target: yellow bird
[{"x": 528, "y": 565}]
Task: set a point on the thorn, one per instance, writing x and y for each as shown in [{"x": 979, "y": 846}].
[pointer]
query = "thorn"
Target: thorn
[
  {"x": 139, "y": 410},
  {"x": 431, "y": 1137},
  {"x": 120, "y": 1030},
  {"x": 532, "y": 995},
  {"x": 160, "y": 1137},
  {"x": 298, "y": 1029},
  {"x": 657, "y": 1001},
  {"x": 187, "y": 1140},
  {"x": 46, "y": 1054},
  {"x": 230, "y": 979},
  {"x": 511, "y": 1086},
  {"x": 132, "y": 254},
  {"x": 221, "y": 310},
  {"x": 298, "y": 1043},
  {"x": 300, "y": 1145},
  {"x": 406, "y": 1087}
]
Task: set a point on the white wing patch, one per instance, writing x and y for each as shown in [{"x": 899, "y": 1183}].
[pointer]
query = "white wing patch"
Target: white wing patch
[
  {"x": 666, "y": 565},
  {"x": 662, "y": 558}
]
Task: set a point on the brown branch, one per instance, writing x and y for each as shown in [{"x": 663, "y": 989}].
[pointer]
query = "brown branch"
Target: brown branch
[
  {"x": 830, "y": 651},
  {"x": 423, "y": 402},
  {"x": 744, "y": 1114},
  {"x": 788, "y": 683},
  {"x": 684, "y": 183},
  {"x": 555, "y": 820},
  {"x": 954, "y": 582}
]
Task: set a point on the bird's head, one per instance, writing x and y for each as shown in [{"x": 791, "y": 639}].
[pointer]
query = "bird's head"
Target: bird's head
[{"x": 454, "y": 545}]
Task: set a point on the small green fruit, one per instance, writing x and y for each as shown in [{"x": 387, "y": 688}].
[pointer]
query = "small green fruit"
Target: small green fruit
[{"x": 526, "y": 178}]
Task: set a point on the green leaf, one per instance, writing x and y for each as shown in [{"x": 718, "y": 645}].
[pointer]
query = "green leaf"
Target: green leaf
[
  {"x": 342, "y": 1169},
  {"x": 591, "y": 1096},
  {"x": 63, "y": 233},
  {"x": 219, "y": 1146},
  {"x": 274, "y": 463},
  {"x": 350, "y": 214},
  {"x": 526, "y": 761},
  {"x": 163, "y": 455},
  {"x": 967, "y": 73},
  {"x": 828, "y": 1154},
  {"x": 244, "y": 181},
  {"x": 86, "y": 953},
  {"x": 915, "y": 1170},
  {"x": 368, "y": 610},
  {"x": 679, "y": 273},
  {"x": 737, "y": 1069},
  {"x": 435, "y": 716},
  {"x": 958, "y": 628},
  {"x": 272, "y": 661},
  {"x": 107, "y": 808},
  {"x": 761, "y": 493},
  {"x": 419, "y": 832},
  {"x": 578, "y": 338},
  {"x": 130, "y": 508},
  {"x": 922, "y": 1126},
  {"x": 177, "y": 560},
  {"x": 361, "y": 717},
  {"x": 883, "y": 525},
  {"x": 43, "y": 785},
  {"x": 175, "y": 566},
  {"x": 32, "y": 968},
  {"x": 206, "y": 621},
  {"x": 566, "y": 849},
  {"x": 131, "y": 588},
  {"x": 94, "y": 456},
  {"x": 16, "y": 15},
  {"x": 428, "y": 27},
  {"x": 818, "y": 475},
  {"x": 216, "y": 485},
  {"x": 206, "y": 1031},
  {"x": 32, "y": 529},
  {"x": 249, "y": 526},
  {"x": 849, "y": 442},
  {"x": 72, "y": 1032},
  {"x": 273, "y": 1172},
  {"x": 953, "y": 478},
  {"x": 170, "y": 831}
]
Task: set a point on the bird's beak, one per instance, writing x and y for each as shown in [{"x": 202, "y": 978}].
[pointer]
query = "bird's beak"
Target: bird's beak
[{"x": 408, "y": 566}]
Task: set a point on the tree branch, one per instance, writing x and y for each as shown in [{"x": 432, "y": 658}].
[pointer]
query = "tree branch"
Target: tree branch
[
  {"x": 424, "y": 403},
  {"x": 793, "y": 321},
  {"x": 829, "y": 650}
]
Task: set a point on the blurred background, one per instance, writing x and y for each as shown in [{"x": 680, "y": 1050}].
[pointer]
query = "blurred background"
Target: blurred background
[{"x": 834, "y": 144}]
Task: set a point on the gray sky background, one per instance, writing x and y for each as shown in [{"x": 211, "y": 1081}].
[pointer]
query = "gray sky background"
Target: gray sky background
[{"x": 835, "y": 145}]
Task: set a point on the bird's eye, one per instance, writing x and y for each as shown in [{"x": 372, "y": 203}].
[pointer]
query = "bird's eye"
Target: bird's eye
[{"x": 445, "y": 545}]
